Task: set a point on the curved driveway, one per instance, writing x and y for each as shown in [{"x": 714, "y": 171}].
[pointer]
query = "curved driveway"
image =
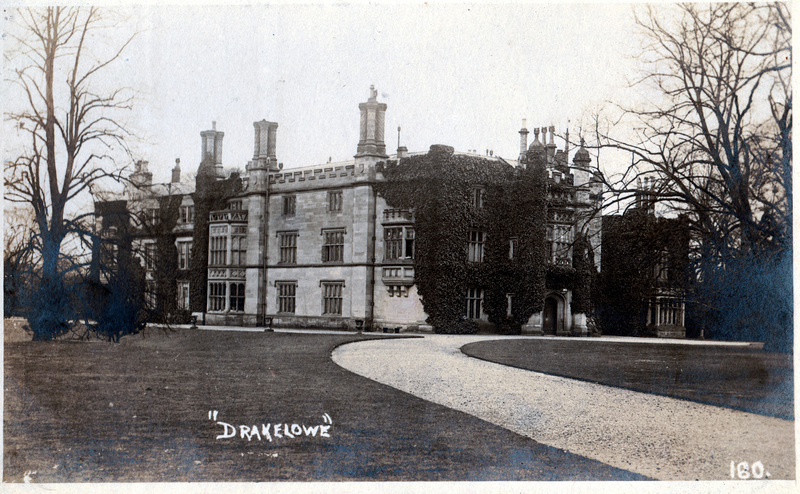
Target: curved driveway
[{"x": 660, "y": 437}]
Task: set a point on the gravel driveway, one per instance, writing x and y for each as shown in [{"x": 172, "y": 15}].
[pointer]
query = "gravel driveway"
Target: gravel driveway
[{"x": 660, "y": 437}]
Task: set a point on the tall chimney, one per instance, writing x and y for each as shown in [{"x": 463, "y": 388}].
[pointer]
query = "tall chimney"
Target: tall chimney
[
  {"x": 551, "y": 146},
  {"x": 373, "y": 117},
  {"x": 211, "y": 148},
  {"x": 523, "y": 138},
  {"x": 176, "y": 172},
  {"x": 264, "y": 147}
]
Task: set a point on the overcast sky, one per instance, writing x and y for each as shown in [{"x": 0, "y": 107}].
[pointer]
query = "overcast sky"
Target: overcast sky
[
  {"x": 457, "y": 74},
  {"x": 461, "y": 75}
]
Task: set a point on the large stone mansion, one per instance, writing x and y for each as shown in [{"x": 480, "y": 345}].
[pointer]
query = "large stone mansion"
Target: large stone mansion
[{"x": 317, "y": 246}]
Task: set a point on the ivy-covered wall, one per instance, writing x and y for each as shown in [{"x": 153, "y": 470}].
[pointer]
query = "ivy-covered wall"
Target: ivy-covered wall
[
  {"x": 440, "y": 187},
  {"x": 211, "y": 193}
]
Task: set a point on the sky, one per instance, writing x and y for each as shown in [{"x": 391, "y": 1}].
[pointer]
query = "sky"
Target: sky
[
  {"x": 461, "y": 75},
  {"x": 457, "y": 74}
]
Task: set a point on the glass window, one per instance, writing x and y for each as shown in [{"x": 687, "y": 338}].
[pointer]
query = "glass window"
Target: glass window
[
  {"x": 186, "y": 215},
  {"x": 237, "y": 297},
  {"x": 184, "y": 254},
  {"x": 475, "y": 246},
  {"x": 287, "y": 242},
  {"x": 238, "y": 250},
  {"x": 183, "y": 295},
  {"x": 216, "y": 296},
  {"x": 335, "y": 200},
  {"x": 512, "y": 248},
  {"x": 478, "y": 197},
  {"x": 151, "y": 216},
  {"x": 219, "y": 251},
  {"x": 150, "y": 256},
  {"x": 398, "y": 242},
  {"x": 150, "y": 294},
  {"x": 286, "y": 296},
  {"x": 333, "y": 246},
  {"x": 474, "y": 303},
  {"x": 332, "y": 298},
  {"x": 289, "y": 205}
]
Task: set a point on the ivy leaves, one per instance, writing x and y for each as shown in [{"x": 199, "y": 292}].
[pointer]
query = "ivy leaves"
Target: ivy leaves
[{"x": 440, "y": 187}]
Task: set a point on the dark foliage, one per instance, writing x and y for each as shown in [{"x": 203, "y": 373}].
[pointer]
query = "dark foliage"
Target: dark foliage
[
  {"x": 635, "y": 247},
  {"x": 210, "y": 194},
  {"x": 123, "y": 309},
  {"x": 440, "y": 188}
]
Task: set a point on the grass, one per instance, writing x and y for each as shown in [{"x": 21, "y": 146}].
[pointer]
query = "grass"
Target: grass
[
  {"x": 138, "y": 411},
  {"x": 743, "y": 378}
]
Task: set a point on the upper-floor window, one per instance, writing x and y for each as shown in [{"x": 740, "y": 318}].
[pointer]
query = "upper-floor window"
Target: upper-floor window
[
  {"x": 287, "y": 243},
  {"x": 398, "y": 242},
  {"x": 289, "y": 205},
  {"x": 478, "y": 197},
  {"x": 513, "y": 246},
  {"x": 475, "y": 246},
  {"x": 562, "y": 240},
  {"x": 151, "y": 216},
  {"x": 235, "y": 205},
  {"x": 184, "y": 254},
  {"x": 218, "y": 251},
  {"x": 186, "y": 215},
  {"x": 238, "y": 249},
  {"x": 150, "y": 256},
  {"x": 333, "y": 245},
  {"x": 335, "y": 200}
]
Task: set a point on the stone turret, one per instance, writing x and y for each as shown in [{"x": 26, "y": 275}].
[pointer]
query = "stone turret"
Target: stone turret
[{"x": 582, "y": 158}]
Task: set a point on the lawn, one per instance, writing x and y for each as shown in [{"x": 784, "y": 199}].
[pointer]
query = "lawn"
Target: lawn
[
  {"x": 744, "y": 378},
  {"x": 139, "y": 411}
]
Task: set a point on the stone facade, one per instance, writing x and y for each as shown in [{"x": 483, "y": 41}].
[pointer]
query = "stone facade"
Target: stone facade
[{"x": 317, "y": 247}]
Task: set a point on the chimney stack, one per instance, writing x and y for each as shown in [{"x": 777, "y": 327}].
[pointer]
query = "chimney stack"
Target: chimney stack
[
  {"x": 176, "y": 172},
  {"x": 211, "y": 148},
  {"x": 264, "y": 147},
  {"x": 371, "y": 143},
  {"x": 551, "y": 146},
  {"x": 523, "y": 138}
]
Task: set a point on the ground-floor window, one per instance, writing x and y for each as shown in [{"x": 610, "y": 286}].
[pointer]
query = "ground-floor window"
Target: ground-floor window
[
  {"x": 237, "y": 297},
  {"x": 216, "y": 296},
  {"x": 150, "y": 294},
  {"x": 332, "y": 298},
  {"x": 474, "y": 302},
  {"x": 286, "y": 296},
  {"x": 183, "y": 295}
]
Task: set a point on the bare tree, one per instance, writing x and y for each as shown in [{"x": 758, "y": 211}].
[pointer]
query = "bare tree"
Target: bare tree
[
  {"x": 60, "y": 63},
  {"x": 714, "y": 141}
]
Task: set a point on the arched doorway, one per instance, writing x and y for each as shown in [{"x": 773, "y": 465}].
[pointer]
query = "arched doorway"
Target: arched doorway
[{"x": 550, "y": 316}]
